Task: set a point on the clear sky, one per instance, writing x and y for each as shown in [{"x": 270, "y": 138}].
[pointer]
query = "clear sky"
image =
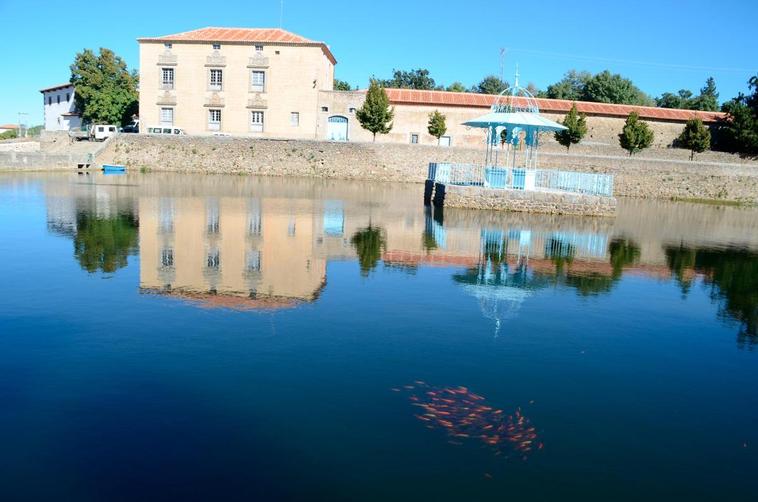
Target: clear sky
[{"x": 661, "y": 45}]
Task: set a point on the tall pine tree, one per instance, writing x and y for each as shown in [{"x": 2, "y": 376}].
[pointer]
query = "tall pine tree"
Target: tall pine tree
[
  {"x": 636, "y": 134},
  {"x": 576, "y": 125},
  {"x": 695, "y": 137}
]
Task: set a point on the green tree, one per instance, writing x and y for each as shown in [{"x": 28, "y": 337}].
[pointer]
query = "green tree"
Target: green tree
[
  {"x": 376, "y": 114},
  {"x": 695, "y": 137},
  {"x": 490, "y": 84},
  {"x": 576, "y": 124},
  {"x": 623, "y": 252},
  {"x": 437, "y": 126},
  {"x": 368, "y": 243},
  {"x": 104, "y": 243},
  {"x": 636, "y": 134},
  {"x": 738, "y": 132},
  {"x": 681, "y": 100},
  {"x": 605, "y": 87},
  {"x": 708, "y": 99},
  {"x": 341, "y": 85},
  {"x": 570, "y": 87},
  {"x": 456, "y": 87},
  {"x": 413, "y": 79},
  {"x": 106, "y": 91},
  {"x": 9, "y": 134}
]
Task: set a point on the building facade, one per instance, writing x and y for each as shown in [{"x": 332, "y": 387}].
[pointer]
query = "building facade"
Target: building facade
[
  {"x": 60, "y": 108},
  {"x": 257, "y": 82}
]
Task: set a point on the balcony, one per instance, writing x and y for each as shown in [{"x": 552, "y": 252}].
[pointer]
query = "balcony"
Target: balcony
[
  {"x": 258, "y": 61},
  {"x": 215, "y": 59},
  {"x": 257, "y": 103}
]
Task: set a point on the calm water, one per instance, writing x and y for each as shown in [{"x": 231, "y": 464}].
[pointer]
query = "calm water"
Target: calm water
[{"x": 236, "y": 338}]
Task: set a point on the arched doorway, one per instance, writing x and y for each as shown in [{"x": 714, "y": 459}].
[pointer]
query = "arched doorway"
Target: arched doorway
[{"x": 337, "y": 128}]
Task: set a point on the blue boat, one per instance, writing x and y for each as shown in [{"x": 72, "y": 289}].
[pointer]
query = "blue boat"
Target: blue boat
[{"x": 113, "y": 168}]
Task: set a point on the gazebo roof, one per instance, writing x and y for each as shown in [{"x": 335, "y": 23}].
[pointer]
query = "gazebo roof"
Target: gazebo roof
[{"x": 519, "y": 118}]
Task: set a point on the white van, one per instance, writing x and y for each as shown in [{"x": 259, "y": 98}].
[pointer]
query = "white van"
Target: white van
[
  {"x": 101, "y": 132},
  {"x": 165, "y": 130}
]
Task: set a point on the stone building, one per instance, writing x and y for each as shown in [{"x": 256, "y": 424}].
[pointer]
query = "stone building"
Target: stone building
[
  {"x": 276, "y": 84},
  {"x": 258, "y": 82}
]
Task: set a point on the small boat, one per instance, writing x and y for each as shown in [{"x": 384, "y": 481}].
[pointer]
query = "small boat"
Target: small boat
[{"x": 113, "y": 168}]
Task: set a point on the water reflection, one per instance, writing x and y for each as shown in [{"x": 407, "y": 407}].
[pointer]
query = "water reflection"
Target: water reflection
[
  {"x": 731, "y": 276},
  {"x": 254, "y": 243}
]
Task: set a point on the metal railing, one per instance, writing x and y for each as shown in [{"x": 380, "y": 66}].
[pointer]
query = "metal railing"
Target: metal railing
[{"x": 521, "y": 179}]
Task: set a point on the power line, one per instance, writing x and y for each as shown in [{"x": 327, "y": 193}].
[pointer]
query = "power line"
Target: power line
[{"x": 633, "y": 62}]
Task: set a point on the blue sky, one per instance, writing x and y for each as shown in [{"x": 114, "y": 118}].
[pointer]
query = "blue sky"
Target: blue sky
[{"x": 661, "y": 45}]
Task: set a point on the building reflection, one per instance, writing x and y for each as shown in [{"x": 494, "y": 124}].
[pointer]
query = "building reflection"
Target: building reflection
[{"x": 254, "y": 243}]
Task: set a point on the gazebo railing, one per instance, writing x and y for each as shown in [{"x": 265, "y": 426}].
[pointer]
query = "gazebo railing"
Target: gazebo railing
[{"x": 521, "y": 179}]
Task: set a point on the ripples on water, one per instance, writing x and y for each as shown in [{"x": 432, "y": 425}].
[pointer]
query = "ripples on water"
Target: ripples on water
[{"x": 265, "y": 319}]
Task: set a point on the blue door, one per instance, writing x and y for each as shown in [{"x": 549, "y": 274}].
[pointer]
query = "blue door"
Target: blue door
[{"x": 337, "y": 128}]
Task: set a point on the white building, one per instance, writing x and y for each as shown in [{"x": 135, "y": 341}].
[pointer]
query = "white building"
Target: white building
[{"x": 60, "y": 108}]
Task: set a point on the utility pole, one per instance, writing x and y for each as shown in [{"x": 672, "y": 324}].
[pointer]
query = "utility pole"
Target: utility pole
[{"x": 21, "y": 124}]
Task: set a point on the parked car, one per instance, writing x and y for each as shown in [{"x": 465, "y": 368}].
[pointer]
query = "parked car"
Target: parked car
[
  {"x": 101, "y": 132},
  {"x": 165, "y": 130},
  {"x": 131, "y": 128}
]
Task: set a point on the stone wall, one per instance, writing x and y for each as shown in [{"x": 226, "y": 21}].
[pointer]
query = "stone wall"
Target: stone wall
[
  {"x": 523, "y": 201},
  {"x": 639, "y": 176}
]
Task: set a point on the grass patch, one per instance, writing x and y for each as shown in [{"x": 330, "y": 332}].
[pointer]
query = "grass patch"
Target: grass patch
[{"x": 710, "y": 202}]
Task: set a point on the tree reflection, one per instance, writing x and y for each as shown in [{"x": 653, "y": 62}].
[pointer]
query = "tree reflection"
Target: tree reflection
[
  {"x": 103, "y": 243},
  {"x": 368, "y": 243},
  {"x": 732, "y": 276},
  {"x": 623, "y": 252}
]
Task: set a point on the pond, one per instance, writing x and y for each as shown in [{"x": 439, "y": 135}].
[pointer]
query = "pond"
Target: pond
[{"x": 209, "y": 337}]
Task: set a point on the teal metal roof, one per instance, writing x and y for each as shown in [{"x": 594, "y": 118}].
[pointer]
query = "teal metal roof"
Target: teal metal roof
[{"x": 518, "y": 119}]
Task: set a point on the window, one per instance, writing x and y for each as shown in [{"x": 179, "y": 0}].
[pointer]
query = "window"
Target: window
[
  {"x": 258, "y": 81},
  {"x": 214, "y": 119},
  {"x": 256, "y": 121},
  {"x": 167, "y": 257},
  {"x": 216, "y": 80},
  {"x": 295, "y": 119},
  {"x": 324, "y": 108},
  {"x": 168, "y": 45},
  {"x": 291, "y": 227},
  {"x": 445, "y": 141},
  {"x": 253, "y": 261},
  {"x": 414, "y": 139},
  {"x": 167, "y": 78},
  {"x": 352, "y": 110},
  {"x": 49, "y": 100},
  {"x": 167, "y": 116},
  {"x": 59, "y": 98},
  {"x": 216, "y": 47},
  {"x": 214, "y": 259},
  {"x": 68, "y": 97},
  {"x": 258, "y": 48}
]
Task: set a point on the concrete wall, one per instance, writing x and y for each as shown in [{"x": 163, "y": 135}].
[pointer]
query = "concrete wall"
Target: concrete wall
[
  {"x": 294, "y": 76},
  {"x": 634, "y": 176}
]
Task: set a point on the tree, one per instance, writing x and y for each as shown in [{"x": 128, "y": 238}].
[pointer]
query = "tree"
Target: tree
[
  {"x": 738, "y": 132},
  {"x": 576, "y": 124},
  {"x": 341, "y": 85},
  {"x": 105, "y": 243},
  {"x": 636, "y": 134},
  {"x": 570, "y": 87},
  {"x": 681, "y": 100},
  {"x": 708, "y": 99},
  {"x": 368, "y": 243},
  {"x": 532, "y": 88},
  {"x": 490, "y": 84},
  {"x": 695, "y": 137},
  {"x": 413, "y": 79},
  {"x": 437, "y": 126},
  {"x": 376, "y": 114},
  {"x": 9, "y": 134},
  {"x": 106, "y": 91},
  {"x": 456, "y": 87},
  {"x": 605, "y": 87}
]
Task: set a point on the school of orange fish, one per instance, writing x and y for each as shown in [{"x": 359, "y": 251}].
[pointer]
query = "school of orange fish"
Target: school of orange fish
[{"x": 465, "y": 415}]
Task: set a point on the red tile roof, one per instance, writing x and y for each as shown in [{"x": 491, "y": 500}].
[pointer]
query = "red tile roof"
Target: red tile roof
[
  {"x": 241, "y": 35},
  {"x": 9, "y": 126},
  {"x": 468, "y": 99},
  {"x": 56, "y": 87}
]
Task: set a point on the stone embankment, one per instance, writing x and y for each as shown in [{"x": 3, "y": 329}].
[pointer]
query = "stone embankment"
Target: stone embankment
[{"x": 659, "y": 173}]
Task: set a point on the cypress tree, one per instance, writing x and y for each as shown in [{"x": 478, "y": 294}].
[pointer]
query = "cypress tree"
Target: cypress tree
[
  {"x": 376, "y": 115},
  {"x": 437, "y": 126},
  {"x": 695, "y": 137},
  {"x": 576, "y": 124},
  {"x": 636, "y": 134}
]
